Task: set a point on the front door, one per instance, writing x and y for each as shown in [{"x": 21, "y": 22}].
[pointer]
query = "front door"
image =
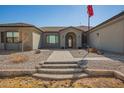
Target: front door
[{"x": 70, "y": 42}]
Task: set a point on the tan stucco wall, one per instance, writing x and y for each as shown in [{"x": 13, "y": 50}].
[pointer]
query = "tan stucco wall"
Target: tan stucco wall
[
  {"x": 28, "y": 32},
  {"x": 111, "y": 36},
  {"x": 77, "y": 33}
]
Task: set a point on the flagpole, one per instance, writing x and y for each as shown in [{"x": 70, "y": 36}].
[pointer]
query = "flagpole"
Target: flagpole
[
  {"x": 90, "y": 14},
  {"x": 88, "y": 30},
  {"x": 88, "y": 23}
]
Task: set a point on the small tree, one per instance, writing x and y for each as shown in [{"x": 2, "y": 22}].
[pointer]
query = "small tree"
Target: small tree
[{"x": 24, "y": 38}]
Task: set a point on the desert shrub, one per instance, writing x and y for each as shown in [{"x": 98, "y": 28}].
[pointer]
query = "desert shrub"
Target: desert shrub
[
  {"x": 92, "y": 50},
  {"x": 17, "y": 58},
  {"x": 37, "y": 51}
]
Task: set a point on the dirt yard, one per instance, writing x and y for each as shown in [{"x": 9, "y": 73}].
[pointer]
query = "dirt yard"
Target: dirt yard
[
  {"x": 30, "y": 82},
  {"x": 114, "y": 64},
  {"x": 33, "y": 59}
]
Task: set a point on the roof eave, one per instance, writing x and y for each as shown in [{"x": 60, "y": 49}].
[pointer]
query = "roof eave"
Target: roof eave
[
  {"x": 110, "y": 19},
  {"x": 71, "y": 27}
]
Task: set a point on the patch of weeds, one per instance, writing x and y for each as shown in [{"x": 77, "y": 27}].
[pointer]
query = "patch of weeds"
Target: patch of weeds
[{"x": 18, "y": 58}]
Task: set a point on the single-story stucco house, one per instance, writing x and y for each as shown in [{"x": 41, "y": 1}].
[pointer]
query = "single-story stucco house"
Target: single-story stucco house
[
  {"x": 16, "y": 35},
  {"x": 108, "y": 36}
]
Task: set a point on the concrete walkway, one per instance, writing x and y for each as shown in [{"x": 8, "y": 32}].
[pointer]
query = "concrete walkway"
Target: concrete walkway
[
  {"x": 98, "y": 58},
  {"x": 61, "y": 56},
  {"x": 65, "y": 55}
]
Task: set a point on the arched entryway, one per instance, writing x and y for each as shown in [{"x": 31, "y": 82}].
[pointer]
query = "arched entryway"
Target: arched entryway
[{"x": 70, "y": 40}]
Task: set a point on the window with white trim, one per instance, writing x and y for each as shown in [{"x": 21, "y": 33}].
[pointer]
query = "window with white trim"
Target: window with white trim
[
  {"x": 52, "y": 39},
  {"x": 12, "y": 37}
]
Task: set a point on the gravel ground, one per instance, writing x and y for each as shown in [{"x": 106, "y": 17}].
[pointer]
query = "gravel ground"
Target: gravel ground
[
  {"x": 30, "y": 82},
  {"x": 79, "y": 53},
  {"x": 115, "y": 64},
  {"x": 34, "y": 59},
  {"x": 107, "y": 65}
]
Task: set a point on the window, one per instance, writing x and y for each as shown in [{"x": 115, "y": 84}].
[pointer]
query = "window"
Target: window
[
  {"x": 2, "y": 37},
  {"x": 16, "y": 37},
  {"x": 52, "y": 39},
  {"x": 12, "y": 37},
  {"x": 9, "y": 37}
]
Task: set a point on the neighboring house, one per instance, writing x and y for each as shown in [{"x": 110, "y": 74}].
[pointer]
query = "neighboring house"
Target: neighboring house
[{"x": 108, "y": 36}]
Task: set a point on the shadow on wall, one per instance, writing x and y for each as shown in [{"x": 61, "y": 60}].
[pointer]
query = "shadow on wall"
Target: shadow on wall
[{"x": 40, "y": 43}]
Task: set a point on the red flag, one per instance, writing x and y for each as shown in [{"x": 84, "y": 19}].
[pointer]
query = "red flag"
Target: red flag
[{"x": 90, "y": 10}]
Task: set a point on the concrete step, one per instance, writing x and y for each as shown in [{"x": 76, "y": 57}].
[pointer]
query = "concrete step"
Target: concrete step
[
  {"x": 60, "y": 66},
  {"x": 60, "y": 76},
  {"x": 60, "y": 71},
  {"x": 60, "y": 62}
]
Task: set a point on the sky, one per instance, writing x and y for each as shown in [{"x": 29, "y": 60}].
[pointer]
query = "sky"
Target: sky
[{"x": 57, "y": 15}]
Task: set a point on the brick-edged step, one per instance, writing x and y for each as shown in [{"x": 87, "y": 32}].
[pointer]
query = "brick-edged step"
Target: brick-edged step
[
  {"x": 60, "y": 66},
  {"x": 60, "y": 71},
  {"x": 68, "y": 62},
  {"x": 60, "y": 76}
]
